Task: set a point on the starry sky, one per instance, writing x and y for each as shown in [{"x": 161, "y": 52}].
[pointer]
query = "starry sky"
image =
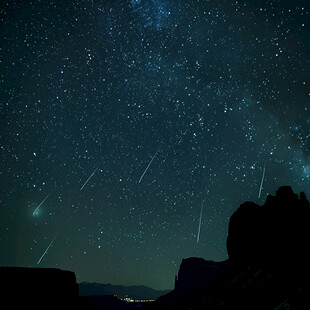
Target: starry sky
[{"x": 119, "y": 120}]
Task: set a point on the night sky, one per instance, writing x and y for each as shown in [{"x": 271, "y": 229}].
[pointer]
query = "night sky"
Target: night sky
[{"x": 120, "y": 120}]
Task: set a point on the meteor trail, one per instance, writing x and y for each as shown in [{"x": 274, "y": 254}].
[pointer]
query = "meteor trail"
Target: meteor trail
[
  {"x": 146, "y": 169},
  {"x": 262, "y": 181},
  {"x": 89, "y": 177},
  {"x": 200, "y": 221},
  {"x": 46, "y": 250},
  {"x": 35, "y": 212}
]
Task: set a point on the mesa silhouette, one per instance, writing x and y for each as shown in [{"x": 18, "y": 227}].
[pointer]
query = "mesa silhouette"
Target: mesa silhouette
[
  {"x": 42, "y": 288},
  {"x": 268, "y": 268}
]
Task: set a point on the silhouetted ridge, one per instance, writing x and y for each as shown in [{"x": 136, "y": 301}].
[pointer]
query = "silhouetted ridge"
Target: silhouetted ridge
[{"x": 122, "y": 291}]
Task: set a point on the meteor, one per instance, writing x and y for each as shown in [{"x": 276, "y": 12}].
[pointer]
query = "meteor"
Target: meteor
[
  {"x": 89, "y": 177},
  {"x": 36, "y": 211},
  {"x": 262, "y": 181},
  {"x": 148, "y": 166},
  {"x": 46, "y": 250},
  {"x": 198, "y": 235}
]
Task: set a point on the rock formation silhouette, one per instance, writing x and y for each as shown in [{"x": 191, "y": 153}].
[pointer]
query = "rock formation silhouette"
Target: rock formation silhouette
[
  {"x": 268, "y": 265},
  {"x": 268, "y": 268},
  {"x": 273, "y": 236}
]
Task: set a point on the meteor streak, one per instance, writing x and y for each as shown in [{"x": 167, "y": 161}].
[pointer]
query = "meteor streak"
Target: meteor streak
[
  {"x": 198, "y": 235},
  {"x": 262, "y": 181},
  {"x": 46, "y": 250},
  {"x": 148, "y": 166},
  {"x": 36, "y": 211},
  {"x": 89, "y": 177}
]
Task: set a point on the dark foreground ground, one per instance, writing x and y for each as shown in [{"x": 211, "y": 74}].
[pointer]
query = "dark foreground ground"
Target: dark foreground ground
[{"x": 268, "y": 269}]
